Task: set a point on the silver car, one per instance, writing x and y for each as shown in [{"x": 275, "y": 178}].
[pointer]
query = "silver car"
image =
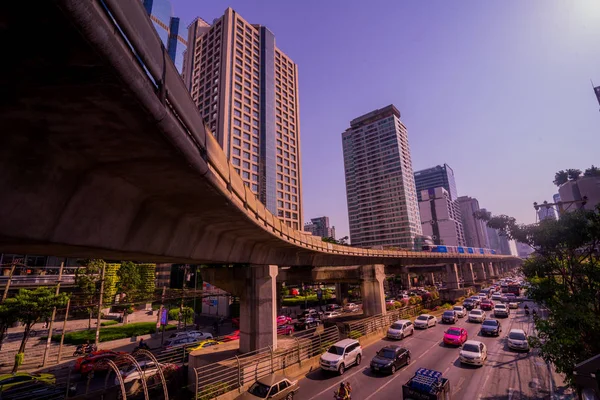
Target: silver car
[
  {"x": 400, "y": 329},
  {"x": 341, "y": 355}
]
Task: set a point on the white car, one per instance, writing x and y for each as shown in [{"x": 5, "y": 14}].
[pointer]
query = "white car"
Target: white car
[
  {"x": 400, "y": 329},
  {"x": 351, "y": 307},
  {"x": 331, "y": 314},
  {"x": 517, "y": 340},
  {"x": 460, "y": 311},
  {"x": 195, "y": 334},
  {"x": 341, "y": 355},
  {"x": 424, "y": 321},
  {"x": 132, "y": 374},
  {"x": 476, "y": 315},
  {"x": 473, "y": 352},
  {"x": 513, "y": 304},
  {"x": 500, "y": 310},
  {"x": 496, "y": 297}
]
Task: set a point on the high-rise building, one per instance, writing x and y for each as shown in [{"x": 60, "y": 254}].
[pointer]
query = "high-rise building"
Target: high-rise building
[
  {"x": 497, "y": 241},
  {"x": 246, "y": 89},
  {"x": 546, "y": 212},
  {"x": 524, "y": 250},
  {"x": 580, "y": 194},
  {"x": 380, "y": 185},
  {"x": 167, "y": 26},
  {"x": 438, "y": 176},
  {"x": 320, "y": 227},
  {"x": 475, "y": 229},
  {"x": 439, "y": 218}
]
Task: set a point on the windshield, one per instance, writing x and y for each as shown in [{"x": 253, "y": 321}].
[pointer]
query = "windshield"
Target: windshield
[
  {"x": 422, "y": 318},
  {"x": 336, "y": 350},
  {"x": 500, "y": 306},
  {"x": 396, "y": 326},
  {"x": 387, "y": 353},
  {"x": 490, "y": 323},
  {"x": 454, "y": 332},
  {"x": 259, "y": 390},
  {"x": 457, "y": 308},
  {"x": 448, "y": 313},
  {"x": 473, "y": 348},
  {"x": 476, "y": 312},
  {"x": 516, "y": 336}
]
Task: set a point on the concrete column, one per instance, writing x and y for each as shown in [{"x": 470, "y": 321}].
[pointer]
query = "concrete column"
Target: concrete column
[
  {"x": 432, "y": 278},
  {"x": 341, "y": 293},
  {"x": 279, "y": 296},
  {"x": 452, "y": 276},
  {"x": 258, "y": 309},
  {"x": 467, "y": 273},
  {"x": 490, "y": 270},
  {"x": 479, "y": 272},
  {"x": 405, "y": 279},
  {"x": 371, "y": 289}
]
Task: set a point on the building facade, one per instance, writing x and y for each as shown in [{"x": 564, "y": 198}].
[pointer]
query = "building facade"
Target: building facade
[
  {"x": 320, "y": 227},
  {"x": 380, "y": 185},
  {"x": 439, "y": 218},
  {"x": 246, "y": 89},
  {"x": 546, "y": 213},
  {"x": 474, "y": 229},
  {"x": 168, "y": 29},
  {"x": 438, "y": 176},
  {"x": 573, "y": 193}
]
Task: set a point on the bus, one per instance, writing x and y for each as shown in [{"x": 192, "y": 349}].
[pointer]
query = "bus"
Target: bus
[{"x": 514, "y": 289}]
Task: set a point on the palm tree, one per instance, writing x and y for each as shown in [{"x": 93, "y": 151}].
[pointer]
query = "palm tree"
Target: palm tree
[
  {"x": 574, "y": 174},
  {"x": 592, "y": 171},
  {"x": 561, "y": 177}
]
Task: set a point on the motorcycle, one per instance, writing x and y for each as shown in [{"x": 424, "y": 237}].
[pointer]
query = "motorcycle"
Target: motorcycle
[
  {"x": 84, "y": 349},
  {"x": 141, "y": 347}
]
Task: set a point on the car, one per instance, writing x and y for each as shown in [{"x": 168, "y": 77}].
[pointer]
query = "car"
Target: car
[
  {"x": 306, "y": 323},
  {"x": 476, "y": 315},
  {"x": 310, "y": 313},
  {"x": 496, "y": 297},
  {"x": 513, "y": 305},
  {"x": 460, "y": 311},
  {"x": 179, "y": 341},
  {"x": 89, "y": 363},
  {"x": 235, "y": 322},
  {"x": 333, "y": 307},
  {"x": 476, "y": 300},
  {"x": 275, "y": 386},
  {"x": 504, "y": 299},
  {"x": 149, "y": 369},
  {"x": 13, "y": 381},
  {"x": 483, "y": 295},
  {"x": 390, "y": 358},
  {"x": 473, "y": 352},
  {"x": 455, "y": 336},
  {"x": 351, "y": 307},
  {"x": 468, "y": 304},
  {"x": 487, "y": 305},
  {"x": 491, "y": 327},
  {"x": 204, "y": 344},
  {"x": 196, "y": 335},
  {"x": 449, "y": 317},
  {"x": 283, "y": 320},
  {"x": 285, "y": 329},
  {"x": 424, "y": 321},
  {"x": 400, "y": 329},
  {"x": 332, "y": 314},
  {"x": 341, "y": 355},
  {"x": 235, "y": 335},
  {"x": 500, "y": 310},
  {"x": 517, "y": 340}
]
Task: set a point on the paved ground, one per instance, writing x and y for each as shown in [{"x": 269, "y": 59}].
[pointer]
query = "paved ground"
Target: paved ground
[{"x": 507, "y": 375}]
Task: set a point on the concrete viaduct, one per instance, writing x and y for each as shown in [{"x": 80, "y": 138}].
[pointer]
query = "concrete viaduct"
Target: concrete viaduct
[{"x": 104, "y": 154}]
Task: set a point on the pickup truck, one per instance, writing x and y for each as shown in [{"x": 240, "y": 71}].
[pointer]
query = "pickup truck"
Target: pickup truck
[{"x": 426, "y": 384}]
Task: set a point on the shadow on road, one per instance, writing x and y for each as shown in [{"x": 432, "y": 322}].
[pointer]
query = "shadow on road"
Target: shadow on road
[{"x": 458, "y": 364}]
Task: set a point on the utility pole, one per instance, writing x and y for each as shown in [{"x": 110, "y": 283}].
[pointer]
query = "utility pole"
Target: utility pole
[
  {"x": 9, "y": 282},
  {"x": 98, "y": 321},
  {"x": 62, "y": 337},
  {"x": 561, "y": 205},
  {"x": 49, "y": 339}
]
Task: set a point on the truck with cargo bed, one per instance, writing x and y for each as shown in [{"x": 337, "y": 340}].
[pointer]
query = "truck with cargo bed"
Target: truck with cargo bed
[{"x": 426, "y": 384}]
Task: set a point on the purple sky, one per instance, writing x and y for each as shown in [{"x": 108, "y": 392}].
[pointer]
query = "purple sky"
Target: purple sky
[{"x": 499, "y": 90}]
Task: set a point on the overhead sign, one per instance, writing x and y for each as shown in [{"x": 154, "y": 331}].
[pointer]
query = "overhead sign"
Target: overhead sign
[{"x": 164, "y": 318}]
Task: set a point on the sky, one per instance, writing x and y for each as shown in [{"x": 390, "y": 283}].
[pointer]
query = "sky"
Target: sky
[{"x": 498, "y": 89}]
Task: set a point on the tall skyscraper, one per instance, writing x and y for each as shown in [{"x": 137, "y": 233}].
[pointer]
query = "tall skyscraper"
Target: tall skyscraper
[
  {"x": 247, "y": 91},
  {"x": 475, "y": 229},
  {"x": 380, "y": 185},
  {"x": 438, "y": 176},
  {"x": 320, "y": 227},
  {"x": 439, "y": 218},
  {"x": 167, "y": 26}
]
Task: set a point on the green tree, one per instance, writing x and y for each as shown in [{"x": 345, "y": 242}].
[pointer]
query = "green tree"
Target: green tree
[
  {"x": 31, "y": 306},
  {"x": 561, "y": 177},
  {"x": 87, "y": 279},
  {"x": 592, "y": 171},
  {"x": 574, "y": 174},
  {"x": 129, "y": 282},
  {"x": 7, "y": 319},
  {"x": 564, "y": 277},
  {"x": 342, "y": 241}
]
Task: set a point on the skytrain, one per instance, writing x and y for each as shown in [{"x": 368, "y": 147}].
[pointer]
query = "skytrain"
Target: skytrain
[{"x": 434, "y": 248}]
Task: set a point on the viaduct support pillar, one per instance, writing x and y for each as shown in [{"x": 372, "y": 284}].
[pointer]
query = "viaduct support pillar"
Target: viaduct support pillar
[
  {"x": 405, "y": 278},
  {"x": 479, "y": 271},
  {"x": 341, "y": 293},
  {"x": 490, "y": 270},
  {"x": 432, "y": 279},
  {"x": 371, "y": 289},
  {"x": 452, "y": 276},
  {"x": 467, "y": 273}
]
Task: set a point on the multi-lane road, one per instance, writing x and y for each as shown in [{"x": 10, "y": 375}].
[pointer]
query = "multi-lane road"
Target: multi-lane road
[{"x": 506, "y": 374}]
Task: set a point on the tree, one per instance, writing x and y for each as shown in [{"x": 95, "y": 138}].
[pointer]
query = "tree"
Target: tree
[
  {"x": 592, "y": 172},
  {"x": 564, "y": 277},
  {"x": 7, "y": 319},
  {"x": 129, "y": 282},
  {"x": 341, "y": 241},
  {"x": 31, "y": 306},
  {"x": 574, "y": 174},
  {"x": 561, "y": 177},
  {"x": 87, "y": 278}
]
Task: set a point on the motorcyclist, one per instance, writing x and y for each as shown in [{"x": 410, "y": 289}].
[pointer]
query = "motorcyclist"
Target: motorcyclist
[
  {"x": 342, "y": 393},
  {"x": 143, "y": 345}
]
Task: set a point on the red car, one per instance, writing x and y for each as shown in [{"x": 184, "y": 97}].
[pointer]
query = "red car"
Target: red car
[
  {"x": 455, "y": 336},
  {"x": 234, "y": 336},
  {"x": 285, "y": 329},
  {"x": 487, "y": 305},
  {"x": 235, "y": 322},
  {"x": 283, "y": 320},
  {"x": 87, "y": 364}
]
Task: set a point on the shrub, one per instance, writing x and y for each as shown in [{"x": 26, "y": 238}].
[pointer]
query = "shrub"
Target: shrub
[
  {"x": 354, "y": 334},
  {"x": 108, "y": 323},
  {"x": 212, "y": 391},
  {"x": 418, "y": 299},
  {"x": 425, "y": 311},
  {"x": 412, "y": 300},
  {"x": 326, "y": 345},
  {"x": 111, "y": 333},
  {"x": 188, "y": 315}
]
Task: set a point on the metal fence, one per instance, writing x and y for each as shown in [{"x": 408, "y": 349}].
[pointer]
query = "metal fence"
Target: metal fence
[{"x": 233, "y": 373}]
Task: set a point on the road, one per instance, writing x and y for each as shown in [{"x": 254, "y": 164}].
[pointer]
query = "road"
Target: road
[{"x": 506, "y": 375}]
